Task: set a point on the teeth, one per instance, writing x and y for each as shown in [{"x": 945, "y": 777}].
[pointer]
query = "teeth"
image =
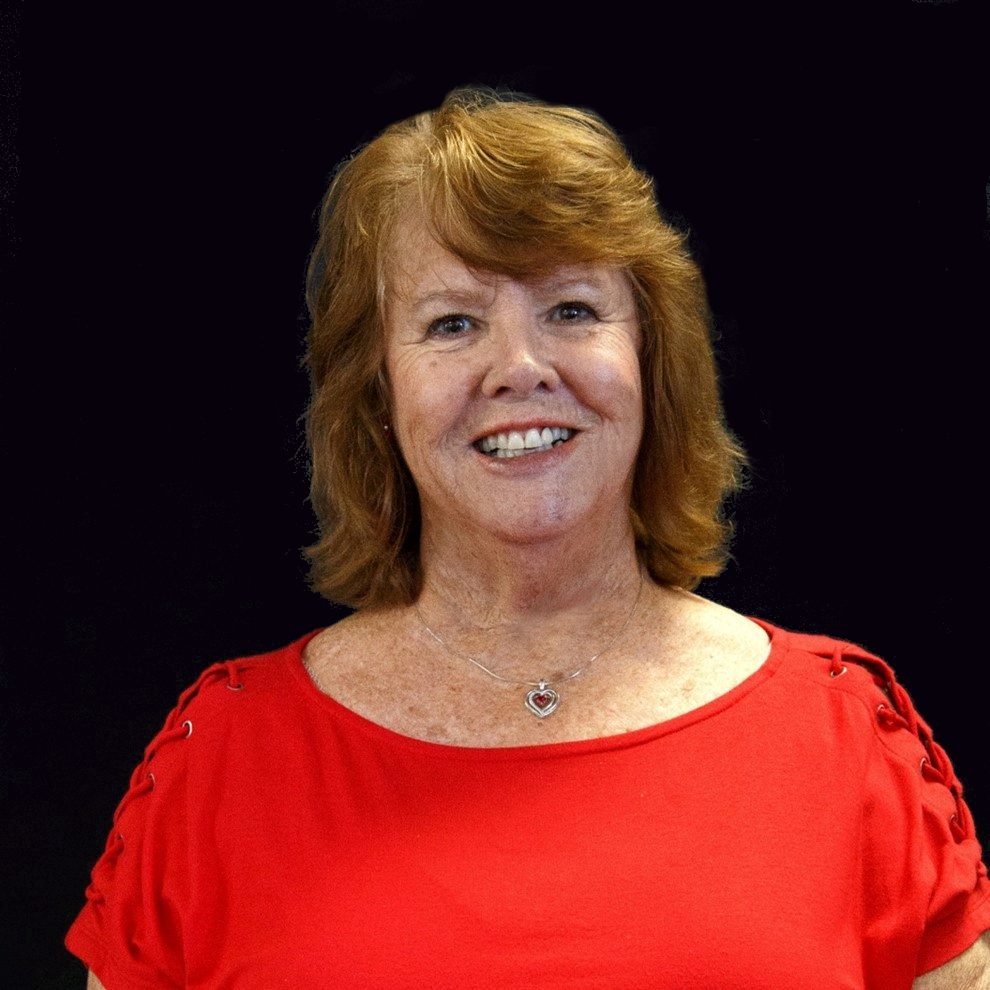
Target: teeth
[{"x": 515, "y": 443}]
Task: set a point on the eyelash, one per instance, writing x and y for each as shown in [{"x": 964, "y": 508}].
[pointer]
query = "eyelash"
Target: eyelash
[
  {"x": 436, "y": 328},
  {"x": 574, "y": 304}
]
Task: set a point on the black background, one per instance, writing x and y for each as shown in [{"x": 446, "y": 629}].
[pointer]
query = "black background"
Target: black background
[{"x": 162, "y": 170}]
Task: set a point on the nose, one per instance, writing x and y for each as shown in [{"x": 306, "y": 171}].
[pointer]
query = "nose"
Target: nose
[{"x": 519, "y": 359}]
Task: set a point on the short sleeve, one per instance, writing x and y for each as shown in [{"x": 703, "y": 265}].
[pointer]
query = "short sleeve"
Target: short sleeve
[
  {"x": 927, "y": 897},
  {"x": 130, "y": 930}
]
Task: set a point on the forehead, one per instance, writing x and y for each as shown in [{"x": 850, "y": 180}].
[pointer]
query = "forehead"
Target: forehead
[
  {"x": 418, "y": 269},
  {"x": 416, "y": 260}
]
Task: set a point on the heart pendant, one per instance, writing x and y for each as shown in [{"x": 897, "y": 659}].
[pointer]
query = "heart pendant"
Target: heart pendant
[{"x": 542, "y": 701}]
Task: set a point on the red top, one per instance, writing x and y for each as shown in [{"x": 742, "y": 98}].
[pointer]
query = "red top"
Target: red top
[{"x": 802, "y": 830}]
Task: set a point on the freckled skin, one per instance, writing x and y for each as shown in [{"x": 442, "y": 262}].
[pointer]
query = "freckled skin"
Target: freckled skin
[{"x": 513, "y": 356}]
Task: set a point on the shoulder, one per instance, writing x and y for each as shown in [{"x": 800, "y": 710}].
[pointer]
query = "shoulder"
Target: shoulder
[
  {"x": 875, "y": 705},
  {"x": 360, "y": 633},
  {"x": 712, "y": 626},
  {"x": 847, "y": 696},
  {"x": 827, "y": 663},
  {"x": 239, "y": 721},
  {"x": 343, "y": 659},
  {"x": 926, "y": 889},
  {"x": 220, "y": 748},
  {"x": 230, "y": 704},
  {"x": 870, "y": 683},
  {"x": 717, "y": 647},
  {"x": 251, "y": 680}
]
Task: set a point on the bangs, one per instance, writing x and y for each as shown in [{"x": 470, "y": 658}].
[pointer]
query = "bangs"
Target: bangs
[{"x": 524, "y": 195}]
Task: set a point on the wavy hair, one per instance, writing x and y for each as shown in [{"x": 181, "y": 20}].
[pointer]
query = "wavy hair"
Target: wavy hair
[{"x": 514, "y": 186}]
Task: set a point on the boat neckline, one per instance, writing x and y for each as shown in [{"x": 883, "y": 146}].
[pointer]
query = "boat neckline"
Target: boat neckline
[{"x": 778, "y": 647}]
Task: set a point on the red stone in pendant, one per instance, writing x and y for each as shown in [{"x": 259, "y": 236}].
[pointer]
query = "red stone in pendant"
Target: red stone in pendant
[{"x": 542, "y": 700}]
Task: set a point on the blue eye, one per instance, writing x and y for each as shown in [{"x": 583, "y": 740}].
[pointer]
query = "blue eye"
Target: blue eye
[
  {"x": 571, "y": 312},
  {"x": 450, "y": 326}
]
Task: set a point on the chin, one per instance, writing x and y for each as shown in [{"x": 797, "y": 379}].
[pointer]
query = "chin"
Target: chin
[{"x": 522, "y": 524}]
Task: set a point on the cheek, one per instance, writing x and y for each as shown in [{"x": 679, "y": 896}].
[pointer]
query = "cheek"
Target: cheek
[
  {"x": 615, "y": 387},
  {"x": 426, "y": 399}
]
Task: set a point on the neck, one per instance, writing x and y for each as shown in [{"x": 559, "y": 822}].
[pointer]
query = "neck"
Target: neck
[{"x": 522, "y": 606}]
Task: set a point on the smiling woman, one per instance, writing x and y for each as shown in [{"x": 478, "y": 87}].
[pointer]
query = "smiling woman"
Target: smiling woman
[
  {"x": 531, "y": 741},
  {"x": 543, "y": 196}
]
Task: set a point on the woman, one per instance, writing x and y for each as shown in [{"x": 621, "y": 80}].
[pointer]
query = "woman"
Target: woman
[{"x": 532, "y": 757}]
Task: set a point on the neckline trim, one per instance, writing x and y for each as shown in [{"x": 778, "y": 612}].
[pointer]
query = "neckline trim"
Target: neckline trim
[{"x": 778, "y": 650}]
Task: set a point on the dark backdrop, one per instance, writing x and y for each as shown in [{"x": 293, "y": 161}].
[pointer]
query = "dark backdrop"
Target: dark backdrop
[{"x": 164, "y": 169}]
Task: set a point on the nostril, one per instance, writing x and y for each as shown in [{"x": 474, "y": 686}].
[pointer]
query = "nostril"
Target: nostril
[{"x": 519, "y": 374}]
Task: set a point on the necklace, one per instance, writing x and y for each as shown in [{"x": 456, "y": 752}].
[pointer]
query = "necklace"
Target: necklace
[{"x": 542, "y": 699}]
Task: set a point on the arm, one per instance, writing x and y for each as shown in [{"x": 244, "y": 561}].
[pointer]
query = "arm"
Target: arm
[
  {"x": 969, "y": 971},
  {"x": 93, "y": 983}
]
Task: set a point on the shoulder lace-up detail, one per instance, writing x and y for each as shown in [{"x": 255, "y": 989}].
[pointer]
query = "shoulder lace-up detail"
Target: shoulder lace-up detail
[
  {"x": 891, "y": 719},
  {"x": 897, "y": 714},
  {"x": 931, "y": 772},
  {"x": 836, "y": 667},
  {"x": 142, "y": 782}
]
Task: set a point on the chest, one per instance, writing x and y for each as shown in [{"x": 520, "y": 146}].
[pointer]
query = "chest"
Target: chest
[
  {"x": 656, "y": 866},
  {"x": 431, "y": 695}
]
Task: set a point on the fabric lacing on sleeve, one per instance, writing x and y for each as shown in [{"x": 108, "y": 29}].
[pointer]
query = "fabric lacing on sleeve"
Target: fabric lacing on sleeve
[
  {"x": 898, "y": 714},
  {"x": 142, "y": 780}
]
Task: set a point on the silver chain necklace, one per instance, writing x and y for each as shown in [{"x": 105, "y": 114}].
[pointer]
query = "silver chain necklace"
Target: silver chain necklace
[{"x": 542, "y": 700}]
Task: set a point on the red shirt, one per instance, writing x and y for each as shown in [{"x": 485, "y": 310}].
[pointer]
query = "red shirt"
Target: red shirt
[{"x": 801, "y": 831}]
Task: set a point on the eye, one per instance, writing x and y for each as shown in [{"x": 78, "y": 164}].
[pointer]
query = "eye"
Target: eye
[
  {"x": 572, "y": 312},
  {"x": 452, "y": 325}
]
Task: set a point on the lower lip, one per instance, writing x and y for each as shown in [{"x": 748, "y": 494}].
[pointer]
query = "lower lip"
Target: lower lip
[{"x": 544, "y": 458}]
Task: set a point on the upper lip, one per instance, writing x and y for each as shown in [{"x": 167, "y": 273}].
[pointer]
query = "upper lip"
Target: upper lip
[{"x": 522, "y": 425}]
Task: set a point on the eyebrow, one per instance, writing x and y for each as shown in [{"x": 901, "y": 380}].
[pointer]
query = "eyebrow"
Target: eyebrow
[
  {"x": 448, "y": 297},
  {"x": 559, "y": 284},
  {"x": 468, "y": 296}
]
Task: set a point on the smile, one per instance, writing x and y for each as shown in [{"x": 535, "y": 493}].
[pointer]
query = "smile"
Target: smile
[{"x": 515, "y": 443}]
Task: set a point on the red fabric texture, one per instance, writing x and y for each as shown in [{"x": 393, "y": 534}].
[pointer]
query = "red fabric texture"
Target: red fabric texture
[{"x": 803, "y": 830}]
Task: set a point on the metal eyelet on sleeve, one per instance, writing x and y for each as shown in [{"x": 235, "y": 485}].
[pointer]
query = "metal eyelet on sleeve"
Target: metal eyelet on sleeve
[
  {"x": 144, "y": 784},
  {"x": 836, "y": 668},
  {"x": 890, "y": 718},
  {"x": 234, "y": 683}
]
